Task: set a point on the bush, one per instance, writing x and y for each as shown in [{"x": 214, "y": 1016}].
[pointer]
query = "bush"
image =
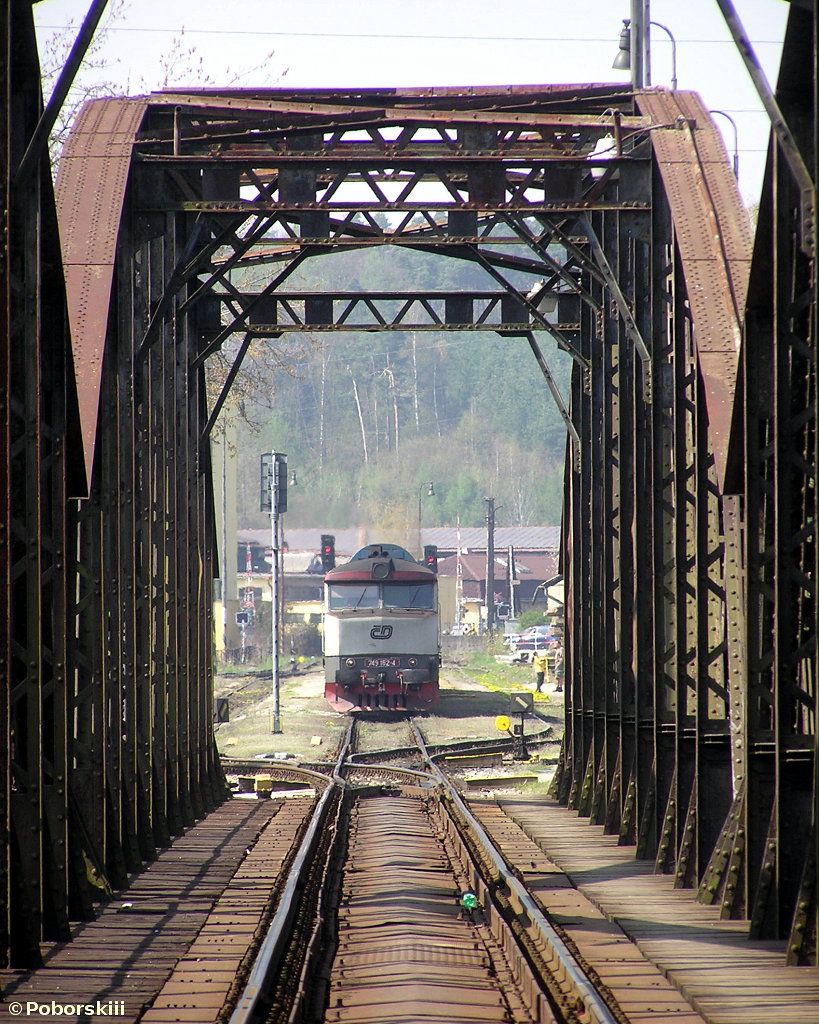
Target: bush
[
  {"x": 300, "y": 638},
  {"x": 532, "y": 617}
]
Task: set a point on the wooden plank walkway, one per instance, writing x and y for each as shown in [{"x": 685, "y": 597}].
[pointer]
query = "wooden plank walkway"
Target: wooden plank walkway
[
  {"x": 725, "y": 976},
  {"x": 127, "y": 953},
  {"x": 213, "y": 971},
  {"x": 643, "y": 994}
]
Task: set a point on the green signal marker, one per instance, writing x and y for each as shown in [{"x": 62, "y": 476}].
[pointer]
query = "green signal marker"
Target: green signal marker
[{"x": 469, "y": 901}]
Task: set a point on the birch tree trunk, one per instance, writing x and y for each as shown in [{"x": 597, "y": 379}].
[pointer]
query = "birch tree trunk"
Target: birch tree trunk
[
  {"x": 360, "y": 416},
  {"x": 415, "y": 386},
  {"x": 321, "y": 408}
]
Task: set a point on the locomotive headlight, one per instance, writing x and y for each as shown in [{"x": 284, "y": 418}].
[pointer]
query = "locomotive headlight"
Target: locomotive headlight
[
  {"x": 412, "y": 662},
  {"x": 349, "y": 662}
]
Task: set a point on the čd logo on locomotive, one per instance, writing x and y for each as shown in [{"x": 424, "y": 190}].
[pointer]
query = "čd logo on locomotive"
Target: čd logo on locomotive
[{"x": 381, "y": 632}]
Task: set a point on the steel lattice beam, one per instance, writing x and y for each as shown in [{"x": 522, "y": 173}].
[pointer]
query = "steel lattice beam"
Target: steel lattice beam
[{"x": 690, "y": 563}]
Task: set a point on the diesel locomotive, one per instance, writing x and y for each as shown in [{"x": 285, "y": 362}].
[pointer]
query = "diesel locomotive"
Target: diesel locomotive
[{"x": 381, "y": 638}]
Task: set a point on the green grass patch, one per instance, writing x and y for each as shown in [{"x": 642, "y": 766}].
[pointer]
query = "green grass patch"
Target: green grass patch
[{"x": 501, "y": 677}]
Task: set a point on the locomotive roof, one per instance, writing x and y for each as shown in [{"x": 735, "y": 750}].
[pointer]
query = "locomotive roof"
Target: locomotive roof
[
  {"x": 382, "y": 551},
  {"x": 403, "y": 568}
]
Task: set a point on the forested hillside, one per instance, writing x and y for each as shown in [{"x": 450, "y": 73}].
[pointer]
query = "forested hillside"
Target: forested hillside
[{"x": 367, "y": 420}]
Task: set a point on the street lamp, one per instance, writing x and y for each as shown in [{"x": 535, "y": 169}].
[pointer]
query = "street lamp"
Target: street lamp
[
  {"x": 736, "y": 139},
  {"x": 430, "y": 494},
  {"x": 623, "y": 61},
  {"x": 274, "y": 501},
  {"x": 667, "y": 31}
]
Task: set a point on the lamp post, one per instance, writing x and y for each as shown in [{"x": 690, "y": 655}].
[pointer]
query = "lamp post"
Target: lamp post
[
  {"x": 635, "y": 52},
  {"x": 667, "y": 31},
  {"x": 430, "y": 494},
  {"x": 274, "y": 501},
  {"x": 633, "y": 44},
  {"x": 735, "y": 160}
]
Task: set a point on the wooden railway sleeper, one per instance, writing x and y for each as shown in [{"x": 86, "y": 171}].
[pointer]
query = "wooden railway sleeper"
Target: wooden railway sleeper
[
  {"x": 503, "y": 953},
  {"x": 548, "y": 965}
]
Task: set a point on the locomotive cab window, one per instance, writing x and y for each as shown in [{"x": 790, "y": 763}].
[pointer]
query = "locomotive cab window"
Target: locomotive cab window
[
  {"x": 409, "y": 595},
  {"x": 353, "y": 595}
]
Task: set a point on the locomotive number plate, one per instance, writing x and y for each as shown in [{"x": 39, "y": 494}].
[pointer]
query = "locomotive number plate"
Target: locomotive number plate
[{"x": 381, "y": 663}]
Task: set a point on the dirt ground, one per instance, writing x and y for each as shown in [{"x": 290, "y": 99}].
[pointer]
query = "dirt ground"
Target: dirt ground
[
  {"x": 465, "y": 710},
  {"x": 303, "y": 716}
]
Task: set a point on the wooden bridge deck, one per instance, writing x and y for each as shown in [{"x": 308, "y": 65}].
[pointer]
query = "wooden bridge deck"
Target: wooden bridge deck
[
  {"x": 127, "y": 954},
  {"x": 727, "y": 977}
]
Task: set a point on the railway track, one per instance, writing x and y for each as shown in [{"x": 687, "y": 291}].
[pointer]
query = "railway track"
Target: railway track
[
  {"x": 399, "y": 908},
  {"x": 387, "y": 757}
]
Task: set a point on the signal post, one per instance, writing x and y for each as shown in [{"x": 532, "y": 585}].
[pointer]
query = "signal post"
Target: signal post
[{"x": 274, "y": 501}]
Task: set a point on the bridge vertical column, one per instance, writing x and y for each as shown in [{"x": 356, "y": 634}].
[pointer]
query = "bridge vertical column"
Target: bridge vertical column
[
  {"x": 613, "y": 579},
  {"x": 137, "y": 780},
  {"x": 780, "y": 493},
  {"x": 714, "y": 788},
  {"x": 582, "y": 696},
  {"x": 669, "y": 293},
  {"x": 36, "y": 469},
  {"x": 180, "y": 502},
  {"x": 574, "y": 625},
  {"x": 91, "y": 842},
  {"x": 28, "y": 861},
  {"x": 165, "y": 785},
  {"x": 686, "y": 596},
  {"x": 627, "y": 642},
  {"x": 625, "y": 239},
  {"x": 116, "y": 498},
  {"x": 601, "y": 695},
  {"x": 6, "y": 147},
  {"x": 199, "y": 709}
]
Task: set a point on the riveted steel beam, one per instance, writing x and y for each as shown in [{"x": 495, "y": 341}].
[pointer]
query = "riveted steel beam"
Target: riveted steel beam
[{"x": 673, "y": 594}]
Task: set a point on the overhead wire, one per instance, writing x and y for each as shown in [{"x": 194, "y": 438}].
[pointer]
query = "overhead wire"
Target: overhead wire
[{"x": 413, "y": 37}]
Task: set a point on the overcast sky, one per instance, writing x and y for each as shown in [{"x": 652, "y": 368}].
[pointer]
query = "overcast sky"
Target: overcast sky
[{"x": 437, "y": 42}]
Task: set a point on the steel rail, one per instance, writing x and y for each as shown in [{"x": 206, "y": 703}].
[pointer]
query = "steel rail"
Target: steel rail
[
  {"x": 277, "y": 937},
  {"x": 387, "y": 769},
  {"x": 276, "y": 770},
  {"x": 457, "y": 748},
  {"x": 596, "y": 1008}
]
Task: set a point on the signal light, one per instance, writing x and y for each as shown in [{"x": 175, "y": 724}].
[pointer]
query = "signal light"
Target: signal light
[
  {"x": 328, "y": 552},
  {"x": 431, "y": 556}
]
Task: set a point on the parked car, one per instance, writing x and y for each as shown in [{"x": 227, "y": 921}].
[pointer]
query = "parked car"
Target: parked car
[
  {"x": 512, "y": 638},
  {"x": 525, "y": 646}
]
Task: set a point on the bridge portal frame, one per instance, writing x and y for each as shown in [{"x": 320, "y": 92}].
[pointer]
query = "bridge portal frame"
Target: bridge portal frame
[{"x": 156, "y": 209}]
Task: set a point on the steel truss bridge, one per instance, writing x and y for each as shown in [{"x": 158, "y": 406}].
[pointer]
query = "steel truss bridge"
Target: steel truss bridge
[{"x": 689, "y": 524}]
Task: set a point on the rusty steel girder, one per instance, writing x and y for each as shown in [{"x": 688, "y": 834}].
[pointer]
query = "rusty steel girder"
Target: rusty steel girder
[
  {"x": 648, "y": 744},
  {"x": 773, "y": 474},
  {"x": 688, "y": 544},
  {"x": 38, "y": 469},
  {"x": 654, "y": 254}
]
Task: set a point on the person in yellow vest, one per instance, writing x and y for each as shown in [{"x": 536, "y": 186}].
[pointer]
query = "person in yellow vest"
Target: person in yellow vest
[
  {"x": 541, "y": 668},
  {"x": 558, "y": 666}
]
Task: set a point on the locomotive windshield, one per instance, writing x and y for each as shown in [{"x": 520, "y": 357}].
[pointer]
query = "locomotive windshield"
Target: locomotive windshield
[
  {"x": 353, "y": 595},
  {"x": 418, "y": 596},
  {"x": 412, "y": 595}
]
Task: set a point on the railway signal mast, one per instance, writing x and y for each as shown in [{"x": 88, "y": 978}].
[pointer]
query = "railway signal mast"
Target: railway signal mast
[
  {"x": 274, "y": 501},
  {"x": 490, "y": 564}
]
